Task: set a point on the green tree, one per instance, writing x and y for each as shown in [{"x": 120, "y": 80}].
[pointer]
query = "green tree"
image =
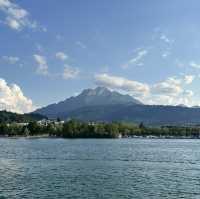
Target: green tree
[{"x": 34, "y": 128}]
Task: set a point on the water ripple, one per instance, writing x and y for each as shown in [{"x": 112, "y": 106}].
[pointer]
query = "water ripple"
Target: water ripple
[{"x": 126, "y": 168}]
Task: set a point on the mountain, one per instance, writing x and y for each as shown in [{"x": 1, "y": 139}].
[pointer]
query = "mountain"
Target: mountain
[
  {"x": 101, "y": 104},
  {"x": 99, "y": 96},
  {"x": 149, "y": 114},
  {"x": 14, "y": 117}
]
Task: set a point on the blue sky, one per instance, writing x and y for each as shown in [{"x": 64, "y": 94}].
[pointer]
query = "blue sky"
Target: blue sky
[{"x": 50, "y": 50}]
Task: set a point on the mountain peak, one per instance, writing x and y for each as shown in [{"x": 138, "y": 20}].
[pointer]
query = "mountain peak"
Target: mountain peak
[
  {"x": 97, "y": 91},
  {"x": 101, "y": 90},
  {"x": 99, "y": 96},
  {"x": 104, "y": 96}
]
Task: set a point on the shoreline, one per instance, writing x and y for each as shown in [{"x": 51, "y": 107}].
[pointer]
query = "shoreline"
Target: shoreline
[
  {"x": 125, "y": 137},
  {"x": 28, "y": 137}
]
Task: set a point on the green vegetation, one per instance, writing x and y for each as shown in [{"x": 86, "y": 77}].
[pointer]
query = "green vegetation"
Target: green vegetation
[
  {"x": 8, "y": 117},
  {"x": 77, "y": 129}
]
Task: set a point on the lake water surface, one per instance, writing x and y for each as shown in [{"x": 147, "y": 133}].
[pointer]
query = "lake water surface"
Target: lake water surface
[{"x": 107, "y": 168}]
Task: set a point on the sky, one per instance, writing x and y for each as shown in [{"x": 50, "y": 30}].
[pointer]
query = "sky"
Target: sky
[{"x": 51, "y": 50}]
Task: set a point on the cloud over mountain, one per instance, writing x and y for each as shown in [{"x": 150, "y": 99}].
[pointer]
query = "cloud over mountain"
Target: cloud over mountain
[
  {"x": 171, "y": 91},
  {"x": 115, "y": 82}
]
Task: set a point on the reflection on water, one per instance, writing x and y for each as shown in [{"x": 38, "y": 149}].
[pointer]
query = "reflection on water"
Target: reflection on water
[{"x": 119, "y": 168}]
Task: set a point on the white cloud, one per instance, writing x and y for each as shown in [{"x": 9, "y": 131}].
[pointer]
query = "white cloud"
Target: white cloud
[
  {"x": 12, "y": 23},
  {"x": 189, "y": 79},
  {"x": 11, "y": 59},
  {"x": 137, "y": 59},
  {"x": 165, "y": 38},
  {"x": 172, "y": 91},
  {"x": 165, "y": 54},
  {"x": 16, "y": 17},
  {"x": 194, "y": 65},
  {"x": 182, "y": 98},
  {"x": 80, "y": 44},
  {"x": 61, "y": 56},
  {"x": 70, "y": 72},
  {"x": 42, "y": 64},
  {"x": 163, "y": 43},
  {"x": 13, "y": 99},
  {"x": 158, "y": 33},
  {"x": 114, "y": 82},
  {"x": 170, "y": 87},
  {"x": 188, "y": 93}
]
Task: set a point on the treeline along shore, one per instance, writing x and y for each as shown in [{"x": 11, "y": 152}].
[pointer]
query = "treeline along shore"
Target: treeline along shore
[{"x": 78, "y": 129}]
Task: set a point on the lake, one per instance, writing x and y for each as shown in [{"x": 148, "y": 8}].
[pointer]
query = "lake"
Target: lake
[{"x": 106, "y": 168}]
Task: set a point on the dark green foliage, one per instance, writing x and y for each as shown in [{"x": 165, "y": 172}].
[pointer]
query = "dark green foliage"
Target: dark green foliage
[
  {"x": 34, "y": 128},
  {"x": 77, "y": 129},
  {"x": 141, "y": 125},
  {"x": 8, "y": 117},
  {"x": 3, "y": 129}
]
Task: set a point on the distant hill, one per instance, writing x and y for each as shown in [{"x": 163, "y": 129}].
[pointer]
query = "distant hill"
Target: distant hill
[
  {"x": 14, "y": 117},
  {"x": 99, "y": 96},
  {"x": 149, "y": 114}
]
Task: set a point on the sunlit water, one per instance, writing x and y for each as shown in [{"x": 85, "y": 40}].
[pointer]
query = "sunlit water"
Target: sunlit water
[{"x": 116, "y": 168}]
